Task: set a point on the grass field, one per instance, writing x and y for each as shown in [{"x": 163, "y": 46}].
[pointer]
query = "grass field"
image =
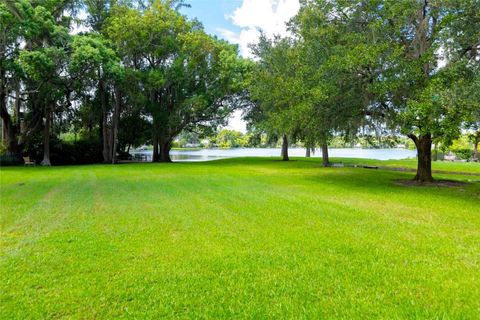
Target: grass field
[
  {"x": 239, "y": 238},
  {"x": 439, "y": 166}
]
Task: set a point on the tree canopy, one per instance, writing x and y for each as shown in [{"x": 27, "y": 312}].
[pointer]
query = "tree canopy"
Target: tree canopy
[
  {"x": 143, "y": 73},
  {"x": 139, "y": 63},
  {"x": 394, "y": 66}
]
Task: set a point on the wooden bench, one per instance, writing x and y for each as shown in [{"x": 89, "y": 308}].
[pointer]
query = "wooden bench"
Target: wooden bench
[{"x": 28, "y": 162}]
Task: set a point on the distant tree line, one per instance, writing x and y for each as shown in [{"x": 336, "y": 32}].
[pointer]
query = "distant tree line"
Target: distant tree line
[{"x": 226, "y": 138}]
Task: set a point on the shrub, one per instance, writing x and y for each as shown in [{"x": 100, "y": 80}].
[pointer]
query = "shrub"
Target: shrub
[
  {"x": 83, "y": 151},
  {"x": 464, "y": 154},
  {"x": 86, "y": 150},
  {"x": 10, "y": 160},
  {"x": 7, "y": 159}
]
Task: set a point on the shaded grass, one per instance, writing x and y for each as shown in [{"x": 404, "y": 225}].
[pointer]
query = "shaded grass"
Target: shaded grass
[
  {"x": 245, "y": 238},
  {"x": 467, "y": 167}
]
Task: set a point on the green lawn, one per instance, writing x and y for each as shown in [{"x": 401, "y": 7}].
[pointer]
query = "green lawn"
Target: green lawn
[
  {"x": 472, "y": 168},
  {"x": 240, "y": 238}
]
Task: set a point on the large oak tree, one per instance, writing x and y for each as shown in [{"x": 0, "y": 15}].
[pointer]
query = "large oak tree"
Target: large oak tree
[{"x": 189, "y": 80}]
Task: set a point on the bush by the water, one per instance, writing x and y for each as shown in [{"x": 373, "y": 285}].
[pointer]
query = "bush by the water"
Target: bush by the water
[{"x": 463, "y": 154}]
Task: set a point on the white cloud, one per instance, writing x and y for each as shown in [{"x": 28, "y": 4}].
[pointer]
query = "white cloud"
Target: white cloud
[
  {"x": 267, "y": 15},
  {"x": 78, "y": 27},
  {"x": 236, "y": 122}
]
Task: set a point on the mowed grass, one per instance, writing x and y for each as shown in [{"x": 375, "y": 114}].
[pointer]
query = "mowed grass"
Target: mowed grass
[
  {"x": 238, "y": 238},
  {"x": 437, "y": 166}
]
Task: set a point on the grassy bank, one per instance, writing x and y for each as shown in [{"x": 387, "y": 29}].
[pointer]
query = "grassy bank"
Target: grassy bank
[{"x": 246, "y": 238}]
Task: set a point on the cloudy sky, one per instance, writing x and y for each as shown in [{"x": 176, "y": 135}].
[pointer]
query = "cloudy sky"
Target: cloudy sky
[{"x": 238, "y": 21}]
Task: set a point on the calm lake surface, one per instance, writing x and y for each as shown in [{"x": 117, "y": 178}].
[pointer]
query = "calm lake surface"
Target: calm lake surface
[{"x": 214, "y": 154}]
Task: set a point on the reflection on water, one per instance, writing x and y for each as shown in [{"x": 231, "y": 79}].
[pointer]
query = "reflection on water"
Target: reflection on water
[
  {"x": 194, "y": 157},
  {"x": 214, "y": 154}
]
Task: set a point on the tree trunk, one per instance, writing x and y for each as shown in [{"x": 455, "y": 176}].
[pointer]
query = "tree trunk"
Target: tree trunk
[
  {"x": 9, "y": 129},
  {"x": 165, "y": 146},
  {"x": 106, "y": 151},
  {"x": 325, "y": 160},
  {"x": 475, "y": 150},
  {"x": 155, "y": 155},
  {"x": 476, "y": 140},
  {"x": 17, "y": 105},
  {"x": 10, "y": 137},
  {"x": 435, "y": 152},
  {"x": 115, "y": 121},
  {"x": 424, "y": 157},
  {"x": 114, "y": 142},
  {"x": 285, "y": 148},
  {"x": 307, "y": 152},
  {"x": 46, "y": 139}
]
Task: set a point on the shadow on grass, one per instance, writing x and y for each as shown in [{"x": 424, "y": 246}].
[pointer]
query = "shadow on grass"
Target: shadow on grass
[
  {"x": 384, "y": 183},
  {"x": 435, "y": 183}
]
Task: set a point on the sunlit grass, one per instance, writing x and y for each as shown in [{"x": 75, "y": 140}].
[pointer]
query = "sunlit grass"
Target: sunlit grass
[{"x": 246, "y": 238}]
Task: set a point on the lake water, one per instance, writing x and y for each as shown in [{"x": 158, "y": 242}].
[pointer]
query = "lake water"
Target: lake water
[{"x": 214, "y": 154}]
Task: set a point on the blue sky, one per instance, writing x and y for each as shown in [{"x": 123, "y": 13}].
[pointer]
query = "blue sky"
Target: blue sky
[
  {"x": 212, "y": 13},
  {"x": 238, "y": 21}
]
